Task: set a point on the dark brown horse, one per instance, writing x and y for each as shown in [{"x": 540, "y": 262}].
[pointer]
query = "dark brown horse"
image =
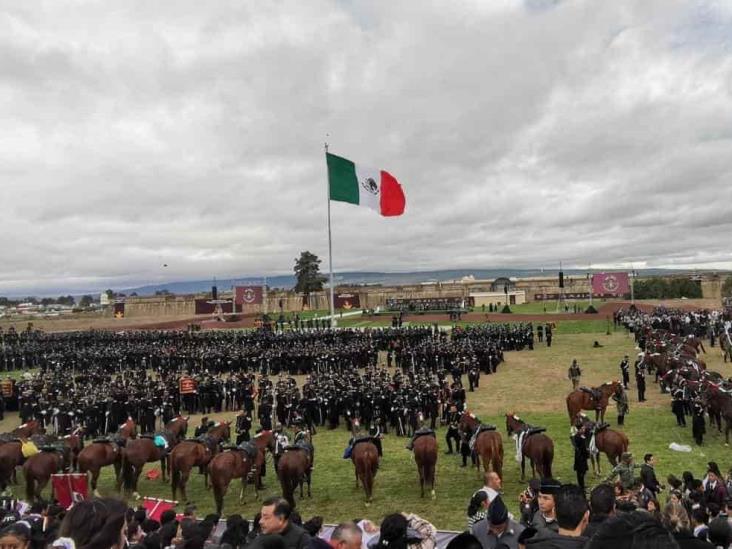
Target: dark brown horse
[
  {"x": 135, "y": 455},
  {"x": 365, "y": 459},
  {"x": 488, "y": 445},
  {"x": 38, "y": 469},
  {"x": 191, "y": 453},
  {"x": 536, "y": 446},
  {"x": 231, "y": 464},
  {"x": 102, "y": 453},
  {"x": 579, "y": 400},
  {"x": 606, "y": 440},
  {"x": 75, "y": 442},
  {"x": 425, "y": 456},
  {"x": 295, "y": 469},
  {"x": 177, "y": 427}
]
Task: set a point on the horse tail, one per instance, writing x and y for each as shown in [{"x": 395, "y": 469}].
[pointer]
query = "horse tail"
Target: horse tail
[
  {"x": 7, "y": 466},
  {"x": 570, "y": 410},
  {"x": 174, "y": 472},
  {"x": 30, "y": 486},
  {"x": 218, "y": 493},
  {"x": 547, "y": 457},
  {"x": 288, "y": 482},
  {"x": 128, "y": 474}
]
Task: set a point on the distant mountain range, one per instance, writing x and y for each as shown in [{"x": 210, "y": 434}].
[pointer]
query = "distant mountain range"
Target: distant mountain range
[{"x": 370, "y": 278}]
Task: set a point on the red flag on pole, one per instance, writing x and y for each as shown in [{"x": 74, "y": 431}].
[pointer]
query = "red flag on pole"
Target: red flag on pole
[
  {"x": 156, "y": 507},
  {"x": 70, "y": 488}
]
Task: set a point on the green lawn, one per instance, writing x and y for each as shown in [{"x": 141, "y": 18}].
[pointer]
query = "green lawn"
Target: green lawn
[{"x": 531, "y": 384}]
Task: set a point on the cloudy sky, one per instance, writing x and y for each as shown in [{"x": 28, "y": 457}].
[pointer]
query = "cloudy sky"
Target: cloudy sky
[{"x": 135, "y": 134}]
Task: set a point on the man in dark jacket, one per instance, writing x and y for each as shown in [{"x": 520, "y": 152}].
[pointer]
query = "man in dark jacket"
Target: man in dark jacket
[
  {"x": 648, "y": 474},
  {"x": 602, "y": 507},
  {"x": 572, "y": 518},
  {"x": 275, "y": 520}
]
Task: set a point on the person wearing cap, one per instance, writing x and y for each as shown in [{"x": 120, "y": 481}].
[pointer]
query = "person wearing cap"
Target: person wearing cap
[
  {"x": 545, "y": 517},
  {"x": 625, "y": 371},
  {"x": 497, "y": 529},
  {"x": 572, "y": 517},
  {"x": 624, "y": 471}
]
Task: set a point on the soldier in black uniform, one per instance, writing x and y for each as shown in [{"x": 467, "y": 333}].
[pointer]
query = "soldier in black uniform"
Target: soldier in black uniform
[
  {"x": 243, "y": 426},
  {"x": 625, "y": 371},
  {"x": 640, "y": 381},
  {"x": 453, "y": 417}
]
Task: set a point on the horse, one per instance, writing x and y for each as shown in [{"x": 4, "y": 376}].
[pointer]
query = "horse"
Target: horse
[
  {"x": 190, "y": 453},
  {"x": 365, "y": 458},
  {"x": 295, "y": 468},
  {"x": 536, "y": 446},
  {"x": 28, "y": 429},
  {"x": 425, "y": 456},
  {"x": 75, "y": 442},
  {"x": 38, "y": 469},
  {"x": 579, "y": 400},
  {"x": 101, "y": 453},
  {"x": 236, "y": 463},
  {"x": 488, "y": 445},
  {"x": 136, "y": 453},
  {"x": 177, "y": 427},
  {"x": 608, "y": 441}
]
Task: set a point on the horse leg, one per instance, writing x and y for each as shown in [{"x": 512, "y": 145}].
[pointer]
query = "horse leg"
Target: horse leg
[
  {"x": 183, "y": 480},
  {"x": 421, "y": 481},
  {"x": 94, "y": 479},
  {"x": 523, "y": 467},
  {"x": 309, "y": 478},
  {"x": 40, "y": 486}
]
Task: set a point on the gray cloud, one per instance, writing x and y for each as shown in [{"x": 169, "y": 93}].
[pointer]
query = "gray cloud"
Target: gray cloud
[{"x": 135, "y": 134}]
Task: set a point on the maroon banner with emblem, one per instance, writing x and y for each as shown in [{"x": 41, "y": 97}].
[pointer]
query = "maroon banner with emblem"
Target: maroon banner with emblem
[
  {"x": 610, "y": 284},
  {"x": 347, "y": 301},
  {"x": 248, "y": 295}
]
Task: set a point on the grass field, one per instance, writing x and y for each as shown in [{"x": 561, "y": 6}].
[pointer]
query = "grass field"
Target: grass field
[{"x": 531, "y": 384}]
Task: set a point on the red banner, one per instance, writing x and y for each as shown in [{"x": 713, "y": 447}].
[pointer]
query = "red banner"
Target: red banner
[
  {"x": 187, "y": 385},
  {"x": 156, "y": 507},
  {"x": 347, "y": 301},
  {"x": 248, "y": 295},
  {"x": 69, "y": 489},
  {"x": 610, "y": 284}
]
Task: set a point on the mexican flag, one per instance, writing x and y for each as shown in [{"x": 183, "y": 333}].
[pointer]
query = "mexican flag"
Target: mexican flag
[{"x": 375, "y": 189}]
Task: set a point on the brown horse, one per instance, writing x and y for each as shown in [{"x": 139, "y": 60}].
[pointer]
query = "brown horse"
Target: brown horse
[
  {"x": 102, "y": 453},
  {"x": 135, "y": 455},
  {"x": 488, "y": 445},
  {"x": 75, "y": 442},
  {"x": 425, "y": 456},
  {"x": 191, "y": 453},
  {"x": 607, "y": 441},
  {"x": 28, "y": 429},
  {"x": 177, "y": 427},
  {"x": 295, "y": 468},
  {"x": 237, "y": 463},
  {"x": 38, "y": 469},
  {"x": 579, "y": 400},
  {"x": 536, "y": 446},
  {"x": 365, "y": 459}
]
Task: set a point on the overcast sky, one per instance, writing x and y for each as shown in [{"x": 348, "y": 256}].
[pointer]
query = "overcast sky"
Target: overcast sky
[{"x": 135, "y": 134}]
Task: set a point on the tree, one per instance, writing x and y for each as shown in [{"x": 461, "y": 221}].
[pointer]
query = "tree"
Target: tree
[
  {"x": 86, "y": 301},
  {"x": 110, "y": 294},
  {"x": 65, "y": 300},
  {"x": 727, "y": 287},
  {"x": 307, "y": 272},
  {"x": 164, "y": 291}
]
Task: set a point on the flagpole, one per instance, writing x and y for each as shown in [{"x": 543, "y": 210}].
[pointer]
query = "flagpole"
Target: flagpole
[{"x": 330, "y": 243}]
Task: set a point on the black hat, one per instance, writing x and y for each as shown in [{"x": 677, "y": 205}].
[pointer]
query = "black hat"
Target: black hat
[
  {"x": 549, "y": 486},
  {"x": 497, "y": 512}
]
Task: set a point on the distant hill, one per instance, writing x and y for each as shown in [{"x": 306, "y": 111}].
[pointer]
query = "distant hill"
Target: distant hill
[{"x": 360, "y": 278}]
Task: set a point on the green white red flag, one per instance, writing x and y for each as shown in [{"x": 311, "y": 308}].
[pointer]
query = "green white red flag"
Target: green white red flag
[{"x": 373, "y": 188}]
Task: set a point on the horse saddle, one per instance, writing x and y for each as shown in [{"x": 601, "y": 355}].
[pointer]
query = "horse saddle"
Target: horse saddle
[
  {"x": 424, "y": 432},
  {"x": 601, "y": 426},
  {"x": 361, "y": 439},
  {"x": 102, "y": 441},
  {"x": 303, "y": 446},
  {"x": 534, "y": 431},
  {"x": 483, "y": 428},
  {"x": 50, "y": 448},
  {"x": 249, "y": 448}
]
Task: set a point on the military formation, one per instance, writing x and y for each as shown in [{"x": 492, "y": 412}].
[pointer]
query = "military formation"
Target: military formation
[{"x": 95, "y": 380}]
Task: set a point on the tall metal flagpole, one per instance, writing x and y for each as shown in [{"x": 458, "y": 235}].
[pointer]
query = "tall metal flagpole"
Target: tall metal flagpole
[{"x": 330, "y": 243}]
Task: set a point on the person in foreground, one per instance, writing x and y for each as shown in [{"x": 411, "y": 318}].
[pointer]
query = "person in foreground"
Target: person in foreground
[
  {"x": 275, "y": 521},
  {"x": 497, "y": 530},
  {"x": 572, "y": 517}
]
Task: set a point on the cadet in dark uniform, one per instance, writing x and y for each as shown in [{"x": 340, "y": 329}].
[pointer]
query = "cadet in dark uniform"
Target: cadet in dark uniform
[
  {"x": 452, "y": 429},
  {"x": 625, "y": 371}
]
